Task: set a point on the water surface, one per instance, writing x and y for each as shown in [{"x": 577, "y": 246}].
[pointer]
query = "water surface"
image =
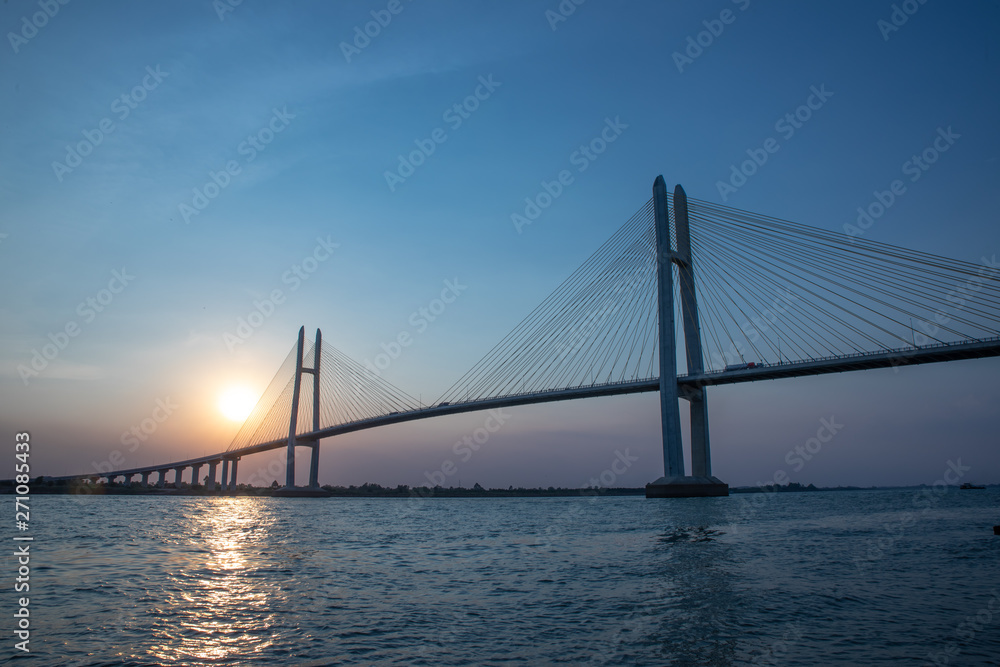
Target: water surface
[{"x": 873, "y": 577}]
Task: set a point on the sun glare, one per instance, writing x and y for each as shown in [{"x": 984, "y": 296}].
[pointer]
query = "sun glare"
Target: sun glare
[{"x": 236, "y": 403}]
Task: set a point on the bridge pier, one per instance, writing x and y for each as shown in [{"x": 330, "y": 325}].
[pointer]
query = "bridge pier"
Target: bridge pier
[
  {"x": 314, "y": 466},
  {"x": 674, "y": 483},
  {"x": 701, "y": 460},
  {"x": 211, "y": 475},
  {"x": 293, "y": 420},
  {"x": 232, "y": 479},
  {"x": 145, "y": 478},
  {"x": 313, "y": 489},
  {"x": 225, "y": 475},
  {"x": 195, "y": 469},
  {"x": 177, "y": 476},
  {"x": 163, "y": 478}
]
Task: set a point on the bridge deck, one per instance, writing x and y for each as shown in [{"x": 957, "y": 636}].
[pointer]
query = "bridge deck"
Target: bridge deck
[
  {"x": 927, "y": 354},
  {"x": 863, "y": 361}
]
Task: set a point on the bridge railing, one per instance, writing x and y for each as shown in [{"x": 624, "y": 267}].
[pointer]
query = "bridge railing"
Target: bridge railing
[
  {"x": 857, "y": 355},
  {"x": 524, "y": 394}
]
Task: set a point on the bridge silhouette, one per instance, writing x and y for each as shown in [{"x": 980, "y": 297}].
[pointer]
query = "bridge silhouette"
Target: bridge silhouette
[{"x": 774, "y": 299}]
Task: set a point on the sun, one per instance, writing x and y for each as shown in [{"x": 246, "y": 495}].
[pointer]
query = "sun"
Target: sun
[{"x": 236, "y": 403}]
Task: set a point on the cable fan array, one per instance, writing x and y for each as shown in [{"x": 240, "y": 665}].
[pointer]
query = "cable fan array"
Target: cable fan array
[
  {"x": 768, "y": 291},
  {"x": 598, "y": 327},
  {"x": 773, "y": 291},
  {"x": 272, "y": 409},
  {"x": 349, "y": 393}
]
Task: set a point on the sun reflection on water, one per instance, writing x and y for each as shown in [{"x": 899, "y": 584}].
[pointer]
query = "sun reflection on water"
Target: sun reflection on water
[{"x": 215, "y": 602}]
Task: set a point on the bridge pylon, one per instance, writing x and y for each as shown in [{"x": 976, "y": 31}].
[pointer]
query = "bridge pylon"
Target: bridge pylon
[
  {"x": 674, "y": 483},
  {"x": 300, "y": 369}
]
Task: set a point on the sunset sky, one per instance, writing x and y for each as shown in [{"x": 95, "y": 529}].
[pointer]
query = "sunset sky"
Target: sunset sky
[{"x": 232, "y": 152}]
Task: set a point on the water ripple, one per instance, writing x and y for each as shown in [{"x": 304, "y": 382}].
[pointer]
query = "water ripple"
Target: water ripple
[{"x": 189, "y": 581}]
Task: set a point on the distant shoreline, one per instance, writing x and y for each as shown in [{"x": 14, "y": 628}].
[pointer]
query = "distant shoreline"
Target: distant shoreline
[{"x": 402, "y": 491}]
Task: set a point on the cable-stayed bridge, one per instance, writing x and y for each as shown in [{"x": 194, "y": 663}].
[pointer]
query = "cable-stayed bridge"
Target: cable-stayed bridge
[{"x": 751, "y": 297}]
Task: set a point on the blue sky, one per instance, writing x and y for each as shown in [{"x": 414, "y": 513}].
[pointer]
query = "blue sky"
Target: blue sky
[{"x": 265, "y": 66}]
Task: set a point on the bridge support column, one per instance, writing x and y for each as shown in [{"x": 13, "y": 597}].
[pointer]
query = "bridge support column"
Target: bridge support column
[
  {"x": 145, "y": 478},
  {"x": 211, "y": 476},
  {"x": 314, "y": 466},
  {"x": 701, "y": 461},
  {"x": 232, "y": 478},
  {"x": 293, "y": 421},
  {"x": 670, "y": 422},
  {"x": 289, "y": 489},
  {"x": 178, "y": 472},
  {"x": 224, "y": 482},
  {"x": 163, "y": 478},
  {"x": 195, "y": 469},
  {"x": 314, "y": 458},
  {"x": 674, "y": 483}
]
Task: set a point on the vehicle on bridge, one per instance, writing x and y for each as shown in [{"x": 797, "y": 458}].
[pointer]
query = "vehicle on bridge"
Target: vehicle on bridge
[{"x": 740, "y": 367}]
